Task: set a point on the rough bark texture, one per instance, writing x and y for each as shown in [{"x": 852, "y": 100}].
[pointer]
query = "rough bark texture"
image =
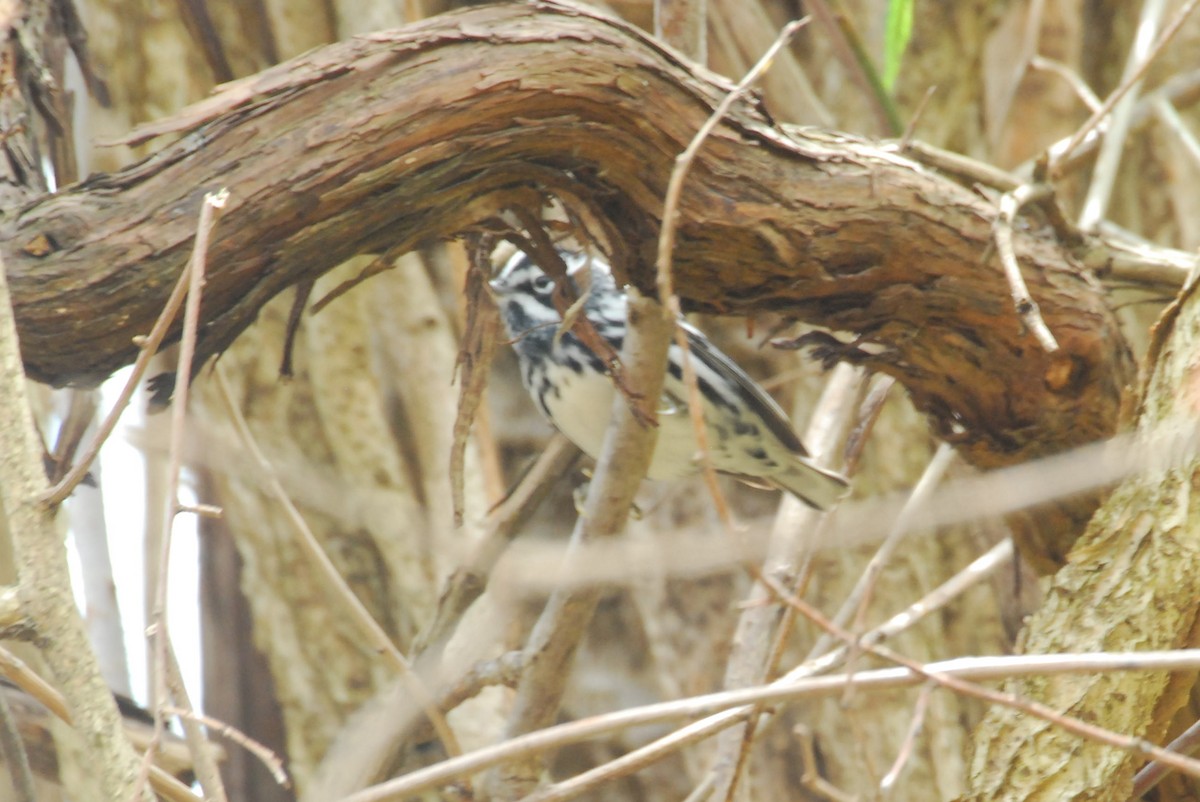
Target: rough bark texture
[
  {"x": 1131, "y": 581},
  {"x": 465, "y": 111},
  {"x": 1131, "y": 585}
]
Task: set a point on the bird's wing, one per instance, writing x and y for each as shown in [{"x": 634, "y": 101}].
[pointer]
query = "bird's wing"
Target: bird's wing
[{"x": 762, "y": 404}]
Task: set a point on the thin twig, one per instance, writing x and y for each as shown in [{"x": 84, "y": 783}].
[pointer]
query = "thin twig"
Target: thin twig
[
  {"x": 910, "y": 738},
  {"x": 910, "y": 130},
  {"x": 624, "y": 459},
  {"x": 793, "y": 533},
  {"x": 1000, "y": 555},
  {"x": 683, "y": 164},
  {"x": 16, "y": 760},
  {"x": 206, "y": 770},
  {"x": 1153, "y": 772},
  {"x": 479, "y": 342},
  {"x": 811, "y": 778},
  {"x": 470, "y": 580},
  {"x": 965, "y": 499},
  {"x": 28, "y": 681},
  {"x": 965, "y": 687},
  {"x": 701, "y": 792},
  {"x": 959, "y": 670},
  {"x": 271, "y": 761},
  {"x": 1060, "y": 155},
  {"x": 1104, "y": 175},
  {"x": 1077, "y": 84},
  {"x": 203, "y": 510},
  {"x": 383, "y": 727},
  {"x": 208, "y": 774},
  {"x": 695, "y": 405},
  {"x": 1181, "y": 89},
  {"x": 856, "y": 601},
  {"x": 81, "y": 410},
  {"x": 1002, "y": 230},
  {"x": 1171, "y": 119},
  {"x": 504, "y": 670},
  {"x": 20, "y": 674},
  {"x": 665, "y": 256},
  {"x": 147, "y": 348}
]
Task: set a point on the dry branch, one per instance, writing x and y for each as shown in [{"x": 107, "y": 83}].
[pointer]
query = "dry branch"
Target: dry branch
[{"x": 398, "y": 138}]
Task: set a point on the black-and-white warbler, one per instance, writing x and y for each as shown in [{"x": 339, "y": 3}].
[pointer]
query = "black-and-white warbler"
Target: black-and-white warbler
[{"x": 748, "y": 434}]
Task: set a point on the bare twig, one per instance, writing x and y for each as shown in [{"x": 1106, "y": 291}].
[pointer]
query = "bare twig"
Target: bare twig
[
  {"x": 1060, "y": 153},
  {"x": 1077, "y": 84},
  {"x": 1095, "y": 205},
  {"x": 910, "y": 738},
  {"x": 381, "y": 264},
  {"x": 504, "y": 670},
  {"x": 812, "y": 778},
  {"x": 203, "y": 510},
  {"x": 295, "y": 314},
  {"x": 1182, "y": 89},
  {"x": 624, "y": 459},
  {"x": 1071, "y": 724},
  {"x": 964, "y": 499},
  {"x": 203, "y": 753},
  {"x": 793, "y": 534},
  {"x": 81, "y": 409},
  {"x": 695, "y": 405},
  {"x": 469, "y": 581},
  {"x": 206, "y": 769},
  {"x": 701, "y": 792},
  {"x": 856, "y": 602},
  {"x": 265, "y": 754},
  {"x": 16, "y": 760},
  {"x": 978, "y": 570},
  {"x": 1002, "y": 229},
  {"x": 148, "y": 347},
  {"x": 1153, "y": 772},
  {"x": 1171, "y": 119},
  {"x": 479, "y": 343},
  {"x": 910, "y": 129},
  {"x": 683, "y": 163},
  {"x": 742, "y": 31},
  {"x": 27, "y": 680},
  {"x": 371, "y": 738},
  {"x": 666, "y": 249},
  {"x": 961, "y": 669}
]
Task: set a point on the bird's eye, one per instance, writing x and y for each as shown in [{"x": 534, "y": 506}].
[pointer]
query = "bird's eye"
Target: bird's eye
[{"x": 543, "y": 284}]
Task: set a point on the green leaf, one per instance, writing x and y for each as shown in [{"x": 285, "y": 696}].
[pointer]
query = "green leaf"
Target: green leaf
[{"x": 899, "y": 31}]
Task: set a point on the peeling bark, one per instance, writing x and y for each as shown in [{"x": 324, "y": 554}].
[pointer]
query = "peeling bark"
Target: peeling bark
[{"x": 394, "y": 139}]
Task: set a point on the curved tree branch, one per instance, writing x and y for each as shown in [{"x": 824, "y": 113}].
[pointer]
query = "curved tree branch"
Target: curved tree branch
[{"x": 395, "y": 139}]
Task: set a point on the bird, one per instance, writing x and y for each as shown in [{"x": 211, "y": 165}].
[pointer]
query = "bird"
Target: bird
[{"x": 748, "y": 435}]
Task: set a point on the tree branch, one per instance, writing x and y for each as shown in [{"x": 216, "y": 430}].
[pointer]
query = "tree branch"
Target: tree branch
[{"x": 395, "y": 139}]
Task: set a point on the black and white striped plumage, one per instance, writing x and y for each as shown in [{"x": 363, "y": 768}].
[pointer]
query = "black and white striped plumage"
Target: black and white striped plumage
[{"x": 748, "y": 434}]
